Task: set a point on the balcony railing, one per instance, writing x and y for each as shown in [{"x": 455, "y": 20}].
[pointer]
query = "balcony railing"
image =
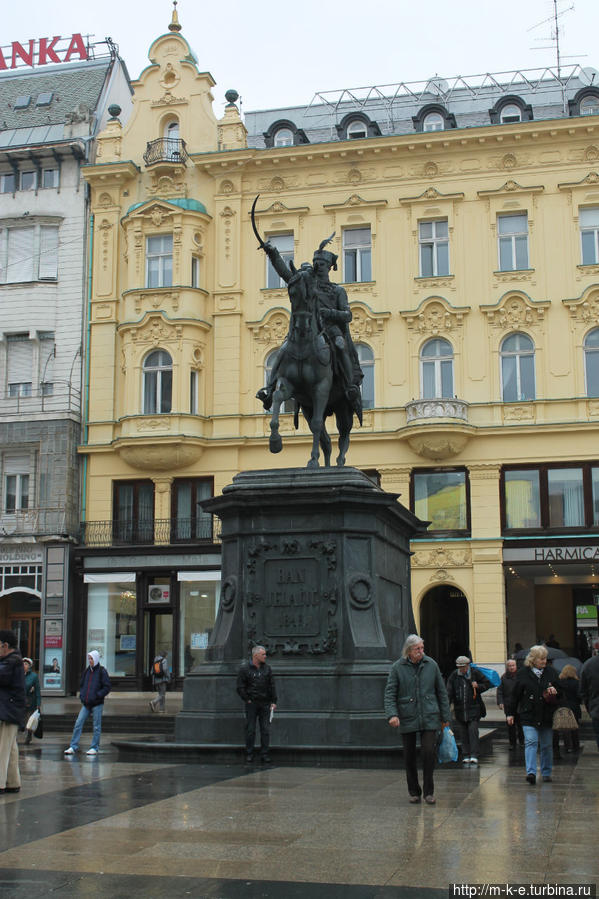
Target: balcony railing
[
  {"x": 423, "y": 410},
  {"x": 38, "y": 522},
  {"x": 62, "y": 398},
  {"x": 166, "y": 149},
  {"x": 127, "y": 532}
]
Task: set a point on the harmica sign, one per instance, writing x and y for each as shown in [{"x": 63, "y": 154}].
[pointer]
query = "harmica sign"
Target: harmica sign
[{"x": 552, "y": 554}]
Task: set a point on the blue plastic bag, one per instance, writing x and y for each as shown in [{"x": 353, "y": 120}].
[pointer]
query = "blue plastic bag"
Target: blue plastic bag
[
  {"x": 490, "y": 674},
  {"x": 448, "y": 750}
]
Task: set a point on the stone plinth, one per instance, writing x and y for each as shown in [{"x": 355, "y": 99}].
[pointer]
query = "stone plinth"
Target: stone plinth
[{"x": 315, "y": 567}]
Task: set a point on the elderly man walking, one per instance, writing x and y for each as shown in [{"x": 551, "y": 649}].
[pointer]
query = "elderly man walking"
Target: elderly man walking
[
  {"x": 12, "y": 710},
  {"x": 464, "y": 687},
  {"x": 416, "y": 702}
]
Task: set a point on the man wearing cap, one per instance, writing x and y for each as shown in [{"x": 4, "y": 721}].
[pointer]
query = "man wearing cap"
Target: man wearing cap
[
  {"x": 464, "y": 688},
  {"x": 335, "y": 315},
  {"x": 94, "y": 688}
]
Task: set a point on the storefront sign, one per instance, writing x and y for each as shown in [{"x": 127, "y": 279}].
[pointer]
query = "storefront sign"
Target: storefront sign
[
  {"x": 586, "y": 616},
  {"x": 552, "y": 554},
  {"x": 42, "y": 51},
  {"x": 53, "y": 627},
  {"x": 52, "y": 642},
  {"x": 20, "y": 555}
]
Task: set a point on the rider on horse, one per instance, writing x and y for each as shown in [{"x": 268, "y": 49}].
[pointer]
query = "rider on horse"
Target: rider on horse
[{"x": 335, "y": 316}]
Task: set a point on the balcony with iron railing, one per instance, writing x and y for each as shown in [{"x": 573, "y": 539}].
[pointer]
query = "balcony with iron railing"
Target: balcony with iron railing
[
  {"x": 43, "y": 522},
  {"x": 57, "y": 397},
  {"x": 160, "y": 531},
  {"x": 166, "y": 150}
]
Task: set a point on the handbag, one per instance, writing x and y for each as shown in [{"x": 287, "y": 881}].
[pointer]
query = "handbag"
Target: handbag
[
  {"x": 33, "y": 721},
  {"x": 39, "y": 731},
  {"x": 550, "y": 698},
  {"x": 564, "y": 719},
  {"x": 447, "y": 750}
]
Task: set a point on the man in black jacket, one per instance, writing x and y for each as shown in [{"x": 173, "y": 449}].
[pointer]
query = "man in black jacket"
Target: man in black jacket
[
  {"x": 464, "y": 687},
  {"x": 589, "y": 689},
  {"x": 504, "y": 695},
  {"x": 93, "y": 689},
  {"x": 12, "y": 711},
  {"x": 256, "y": 687}
]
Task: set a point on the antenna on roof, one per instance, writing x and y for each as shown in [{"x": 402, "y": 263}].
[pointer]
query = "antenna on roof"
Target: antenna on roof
[{"x": 554, "y": 38}]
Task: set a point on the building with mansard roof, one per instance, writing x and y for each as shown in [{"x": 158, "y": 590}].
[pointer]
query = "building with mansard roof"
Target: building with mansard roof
[
  {"x": 466, "y": 224},
  {"x": 49, "y": 119}
]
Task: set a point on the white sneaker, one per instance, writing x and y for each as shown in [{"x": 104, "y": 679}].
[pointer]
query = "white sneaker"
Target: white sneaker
[
  {"x": 92, "y": 752},
  {"x": 466, "y": 761},
  {"x": 69, "y": 751},
  {"x": 474, "y": 761}
]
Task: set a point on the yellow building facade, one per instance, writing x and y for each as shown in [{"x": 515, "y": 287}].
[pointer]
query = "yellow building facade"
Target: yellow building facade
[{"x": 467, "y": 254}]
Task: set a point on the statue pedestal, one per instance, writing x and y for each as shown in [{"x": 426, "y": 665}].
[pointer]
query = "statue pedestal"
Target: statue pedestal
[{"x": 315, "y": 567}]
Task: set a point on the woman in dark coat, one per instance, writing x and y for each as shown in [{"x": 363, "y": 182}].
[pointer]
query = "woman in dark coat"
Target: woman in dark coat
[
  {"x": 33, "y": 698},
  {"x": 571, "y": 700},
  {"x": 536, "y": 713}
]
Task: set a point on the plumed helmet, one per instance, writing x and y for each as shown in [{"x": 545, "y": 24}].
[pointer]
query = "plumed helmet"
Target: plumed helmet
[{"x": 325, "y": 255}]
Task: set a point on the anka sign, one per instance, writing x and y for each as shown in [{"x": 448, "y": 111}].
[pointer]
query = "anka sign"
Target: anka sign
[{"x": 42, "y": 51}]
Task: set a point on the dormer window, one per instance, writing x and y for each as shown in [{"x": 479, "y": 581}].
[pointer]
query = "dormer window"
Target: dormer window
[
  {"x": 433, "y": 122},
  {"x": 433, "y": 117},
  {"x": 356, "y": 130},
  {"x": 510, "y": 109},
  {"x": 586, "y": 102},
  {"x": 589, "y": 105},
  {"x": 510, "y": 113},
  {"x": 283, "y": 138}
]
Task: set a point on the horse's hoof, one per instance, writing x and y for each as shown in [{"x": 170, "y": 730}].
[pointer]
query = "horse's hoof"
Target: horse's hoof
[
  {"x": 275, "y": 443},
  {"x": 340, "y": 462},
  {"x": 313, "y": 463}
]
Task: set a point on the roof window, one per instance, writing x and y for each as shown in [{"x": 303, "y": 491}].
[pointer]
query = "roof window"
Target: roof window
[
  {"x": 23, "y": 101},
  {"x": 44, "y": 99}
]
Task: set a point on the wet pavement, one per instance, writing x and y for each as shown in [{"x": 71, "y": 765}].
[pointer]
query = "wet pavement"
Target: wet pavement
[{"x": 104, "y": 827}]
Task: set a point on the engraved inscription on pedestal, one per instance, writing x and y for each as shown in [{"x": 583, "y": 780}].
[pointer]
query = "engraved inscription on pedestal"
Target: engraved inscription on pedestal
[{"x": 292, "y": 599}]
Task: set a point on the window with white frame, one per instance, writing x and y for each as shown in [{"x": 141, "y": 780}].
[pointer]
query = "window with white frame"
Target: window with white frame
[
  {"x": 356, "y": 129},
  {"x": 512, "y": 234},
  {"x": 517, "y": 355},
  {"x": 16, "y": 483},
  {"x": 159, "y": 261},
  {"x": 29, "y": 254},
  {"x": 194, "y": 379},
  {"x": 366, "y": 359},
  {"x": 8, "y": 183},
  {"x": 284, "y": 244},
  {"x": 283, "y": 137},
  {"x": 288, "y": 405},
  {"x": 28, "y": 180},
  {"x": 591, "y": 362},
  {"x": 510, "y": 113},
  {"x": 195, "y": 271},
  {"x": 589, "y": 105},
  {"x": 50, "y": 178},
  {"x": 589, "y": 234},
  {"x": 19, "y": 365},
  {"x": 357, "y": 254},
  {"x": 433, "y": 122},
  {"x": 436, "y": 369},
  {"x": 157, "y": 383},
  {"x": 433, "y": 238}
]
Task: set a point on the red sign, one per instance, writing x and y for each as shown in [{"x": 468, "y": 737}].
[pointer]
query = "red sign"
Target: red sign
[
  {"x": 52, "y": 642},
  {"x": 42, "y": 51}
]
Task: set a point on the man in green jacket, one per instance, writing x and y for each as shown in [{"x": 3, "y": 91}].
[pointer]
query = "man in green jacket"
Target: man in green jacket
[{"x": 416, "y": 702}]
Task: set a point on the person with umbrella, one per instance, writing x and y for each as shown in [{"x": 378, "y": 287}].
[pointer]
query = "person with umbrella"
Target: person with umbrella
[
  {"x": 535, "y": 697},
  {"x": 570, "y": 700}
]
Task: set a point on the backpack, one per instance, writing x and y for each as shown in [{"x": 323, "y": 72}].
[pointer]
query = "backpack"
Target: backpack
[{"x": 157, "y": 668}]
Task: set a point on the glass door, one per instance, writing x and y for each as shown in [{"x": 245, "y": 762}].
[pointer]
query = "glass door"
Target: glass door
[{"x": 159, "y": 637}]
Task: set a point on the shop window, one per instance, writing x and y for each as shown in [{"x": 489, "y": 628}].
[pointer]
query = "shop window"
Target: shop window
[
  {"x": 199, "y": 594},
  {"x": 189, "y": 522},
  {"x": 550, "y": 497},
  {"x": 588, "y": 220},
  {"x": 436, "y": 369},
  {"x": 433, "y": 241},
  {"x": 517, "y": 355},
  {"x": 133, "y": 512},
  {"x": 512, "y": 235},
  {"x": 357, "y": 255},
  {"x": 112, "y": 623},
  {"x": 159, "y": 261},
  {"x": 366, "y": 359},
  {"x": 157, "y": 383},
  {"x": 284, "y": 244},
  {"x": 441, "y": 497}
]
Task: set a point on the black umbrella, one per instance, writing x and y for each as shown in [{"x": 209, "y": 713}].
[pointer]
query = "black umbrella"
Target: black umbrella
[
  {"x": 560, "y": 663},
  {"x": 552, "y": 653}
]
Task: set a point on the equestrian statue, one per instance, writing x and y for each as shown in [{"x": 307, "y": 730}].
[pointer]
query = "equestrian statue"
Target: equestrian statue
[{"x": 317, "y": 365}]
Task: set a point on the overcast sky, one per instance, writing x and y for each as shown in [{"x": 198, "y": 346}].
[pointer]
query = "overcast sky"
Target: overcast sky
[{"x": 281, "y": 54}]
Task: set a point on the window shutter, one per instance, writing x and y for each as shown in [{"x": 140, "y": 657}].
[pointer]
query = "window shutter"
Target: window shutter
[
  {"x": 20, "y": 255},
  {"x": 48, "y": 253},
  {"x": 20, "y": 359}
]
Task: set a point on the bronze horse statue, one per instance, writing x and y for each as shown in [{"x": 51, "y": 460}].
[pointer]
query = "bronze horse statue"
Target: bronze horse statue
[{"x": 309, "y": 368}]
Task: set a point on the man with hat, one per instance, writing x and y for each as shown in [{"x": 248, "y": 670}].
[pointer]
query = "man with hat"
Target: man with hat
[
  {"x": 335, "y": 314},
  {"x": 464, "y": 688}
]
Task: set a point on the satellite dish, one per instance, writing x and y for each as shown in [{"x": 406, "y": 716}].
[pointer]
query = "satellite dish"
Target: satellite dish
[
  {"x": 437, "y": 86},
  {"x": 589, "y": 76}
]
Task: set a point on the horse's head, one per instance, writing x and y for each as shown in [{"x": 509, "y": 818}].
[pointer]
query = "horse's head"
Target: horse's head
[{"x": 303, "y": 304}]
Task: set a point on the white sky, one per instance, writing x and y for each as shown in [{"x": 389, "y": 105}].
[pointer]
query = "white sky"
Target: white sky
[{"x": 282, "y": 53}]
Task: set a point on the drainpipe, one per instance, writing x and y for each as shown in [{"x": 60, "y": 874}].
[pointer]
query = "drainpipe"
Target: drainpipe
[{"x": 87, "y": 345}]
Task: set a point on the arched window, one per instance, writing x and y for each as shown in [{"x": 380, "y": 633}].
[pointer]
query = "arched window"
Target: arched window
[
  {"x": 288, "y": 405},
  {"x": 433, "y": 122},
  {"x": 157, "y": 383},
  {"x": 366, "y": 359},
  {"x": 510, "y": 113},
  {"x": 283, "y": 137},
  {"x": 589, "y": 105},
  {"x": 172, "y": 140},
  {"x": 356, "y": 129},
  {"x": 591, "y": 362},
  {"x": 436, "y": 369},
  {"x": 517, "y": 368}
]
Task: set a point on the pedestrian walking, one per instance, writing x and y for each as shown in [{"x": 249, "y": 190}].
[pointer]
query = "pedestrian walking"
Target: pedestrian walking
[
  {"x": 93, "y": 689},
  {"x": 570, "y": 699},
  {"x": 535, "y": 697},
  {"x": 33, "y": 699},
  {"x": 12, "y": 710},
  {"x": 416, "y": 702},
  {"x": 256, "y": 687},
  {"x": 504, "y": 693},
  {"x": 589, "y": 689},
  {"x": 160, "y": 678},
  {"x": 464, "y": 688}
]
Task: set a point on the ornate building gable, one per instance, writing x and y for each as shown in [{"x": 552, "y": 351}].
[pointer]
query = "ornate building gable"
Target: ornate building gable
[
  {"x": 156, "y": 329},
  {"x": 584, "y": 311},
  {"x": 271, "y": 330},
  {"x": 368, "y": 326},
  {"x": 435, "y": 317},
  {"x": 515, "y": 311},
  {"x": 353, "y": 211}
]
